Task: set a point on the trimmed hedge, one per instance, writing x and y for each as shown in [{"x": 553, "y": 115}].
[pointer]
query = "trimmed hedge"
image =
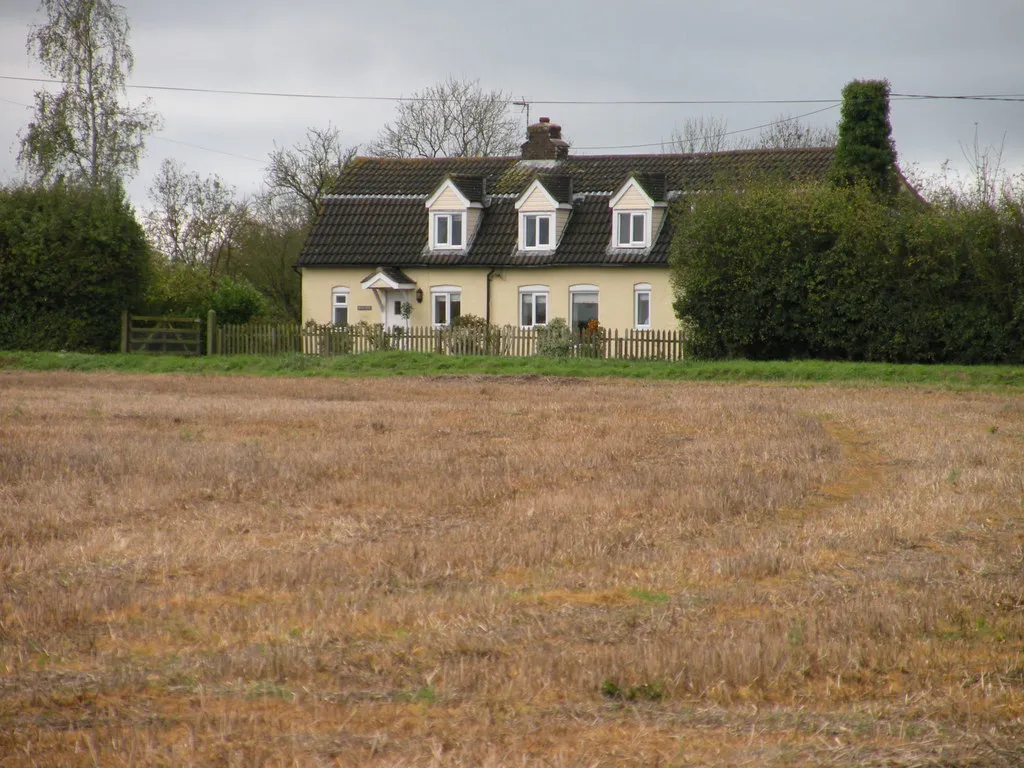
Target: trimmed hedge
[
  {"x": 836, "y": 273},
  {"x": 71, "y": 259}
]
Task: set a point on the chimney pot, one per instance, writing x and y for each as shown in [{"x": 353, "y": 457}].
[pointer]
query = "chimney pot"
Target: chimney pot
[{"x": 544, "y": 141}]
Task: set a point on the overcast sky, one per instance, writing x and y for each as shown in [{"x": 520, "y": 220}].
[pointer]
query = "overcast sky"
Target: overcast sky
[{"x": 557, "y": 50}]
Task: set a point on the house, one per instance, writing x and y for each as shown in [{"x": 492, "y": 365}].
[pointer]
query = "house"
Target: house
[{"x": 514, "y": 240}]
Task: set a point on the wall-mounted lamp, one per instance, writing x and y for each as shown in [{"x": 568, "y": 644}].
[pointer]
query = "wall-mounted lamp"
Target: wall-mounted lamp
[{"x": 419, "y": 295}]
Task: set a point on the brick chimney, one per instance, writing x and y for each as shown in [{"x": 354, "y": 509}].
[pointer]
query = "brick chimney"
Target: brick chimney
[{"x": 544, "y": 142}]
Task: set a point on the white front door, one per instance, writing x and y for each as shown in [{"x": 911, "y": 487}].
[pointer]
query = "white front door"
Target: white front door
[{"x": 393, "y": 301}]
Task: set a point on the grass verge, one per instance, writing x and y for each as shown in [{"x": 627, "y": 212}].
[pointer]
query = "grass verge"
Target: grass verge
[{"x": 420, "y": 364}]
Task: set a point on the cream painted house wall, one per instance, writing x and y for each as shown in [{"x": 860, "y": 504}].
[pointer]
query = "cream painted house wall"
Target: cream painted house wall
[
  {"x": 448, "y": 201},
  {"x": 633, "y": 200},
  {"x": 318, "y": 286},
  {"x": 537, "y": 202},
  {"x": 615, "y": 293},
  {"x": 657, "y": 219}
]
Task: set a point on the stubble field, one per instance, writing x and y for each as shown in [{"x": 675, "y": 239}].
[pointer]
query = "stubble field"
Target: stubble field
[{"x": 507, "y": 571}]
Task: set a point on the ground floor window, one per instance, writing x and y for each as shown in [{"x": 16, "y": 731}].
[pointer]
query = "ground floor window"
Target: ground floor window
[
  {"x": 447, "y": 304},
  {"x": 583, "y": 300},
  {"x": 533, "y": 305},
  {"x": 339, "y": 302},
  {"x": 642, "y": 306}
]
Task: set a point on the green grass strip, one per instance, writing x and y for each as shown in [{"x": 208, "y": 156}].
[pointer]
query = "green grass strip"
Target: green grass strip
[{"x": 420, "y": 364}]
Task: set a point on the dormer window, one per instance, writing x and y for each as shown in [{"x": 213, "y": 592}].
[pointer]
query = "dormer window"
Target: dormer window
[
  {"x": 638, "y": 211},
  {"x": 544, "y": 209},
  {"x": 537, "y": 230},
  {"x": 631, "y": 229},
  {"x": 454, "y": 212},
  {"x": 448, "y": 233}
]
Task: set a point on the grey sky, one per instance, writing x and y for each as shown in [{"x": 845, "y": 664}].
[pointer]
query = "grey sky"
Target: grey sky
[{"x": 567, "y": 50}]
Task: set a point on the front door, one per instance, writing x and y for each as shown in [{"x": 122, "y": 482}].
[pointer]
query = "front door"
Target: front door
[{"x": 393, "y": 301}]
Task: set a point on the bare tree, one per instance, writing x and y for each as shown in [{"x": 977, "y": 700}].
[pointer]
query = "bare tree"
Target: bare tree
[
  {"x": 712, "y": 134},
  {"x": 700, "y": 134},
  {"x": 454, "y": 118},
  {"x": 788, "y": 132},
  {"x": 193, "y": 220},
  {"x": 84, "y": 132},
  {"x": 307, "y": 171},
  {"x": 989, "y": 178}
]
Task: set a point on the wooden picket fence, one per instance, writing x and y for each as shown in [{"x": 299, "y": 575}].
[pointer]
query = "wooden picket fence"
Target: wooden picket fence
[{"x": 509, "y": 341}]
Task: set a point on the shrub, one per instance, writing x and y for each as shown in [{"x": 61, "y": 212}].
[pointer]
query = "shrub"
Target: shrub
[
  {"x": 555, "y": 339},
  {"x": 71, "y": 259},
  {"x": 828, "y": 272},
  {"x": 469, "y": 335},
  {"x": 187, "y": 291}
]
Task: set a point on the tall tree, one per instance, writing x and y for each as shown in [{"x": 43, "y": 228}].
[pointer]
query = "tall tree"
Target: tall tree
[
  {"x": 193, "y": 221},
  {"x": 454, "y": 118},
  {"x": 306, "y": 172},
  {"x": 864, "y": 151},
  {"x": 84, "y": 132},
  {"x": 270, "y": 241}
]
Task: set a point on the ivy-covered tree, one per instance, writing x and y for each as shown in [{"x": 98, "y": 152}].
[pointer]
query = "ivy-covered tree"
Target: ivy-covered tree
[{"x": 865, "y": 153}]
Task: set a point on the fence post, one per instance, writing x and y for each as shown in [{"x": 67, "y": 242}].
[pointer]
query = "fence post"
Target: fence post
[
  {"x": 211, "y": 332},
  {"x": 124, "y": 332}
]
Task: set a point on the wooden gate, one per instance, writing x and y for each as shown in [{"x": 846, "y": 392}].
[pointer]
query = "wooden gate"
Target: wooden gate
[{"x": 166, "y": 335}]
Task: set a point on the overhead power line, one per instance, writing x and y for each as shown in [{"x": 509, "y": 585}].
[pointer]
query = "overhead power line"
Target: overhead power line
[
  {"x": 1012, "y": 97},
  {"x": 717, "y": 135},
  {"x": 206, "y": 149},
  {"x": 527, "y": 103}
]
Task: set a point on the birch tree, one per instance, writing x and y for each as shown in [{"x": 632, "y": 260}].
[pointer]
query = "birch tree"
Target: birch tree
[{"x": 86, "y": 131}]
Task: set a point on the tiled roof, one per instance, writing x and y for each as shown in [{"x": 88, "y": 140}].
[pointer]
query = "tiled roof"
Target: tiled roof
[
  {"x": 471, "y": 187},
  {"x": 558, "y": 185},
  {"x": 654, "y": 184},
  {"x": 376, "y": 216}
]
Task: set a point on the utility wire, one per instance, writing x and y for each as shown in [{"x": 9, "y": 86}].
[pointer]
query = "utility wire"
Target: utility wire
[
  {"x": 717, "y": 135},
  {"x": 164, "y": 138},
  {"x": 1013, "y": 97},
  {"x": 206, "y": 149},
  {"x": 524, "y": 102},
  {"x": 16, "y": 103}
]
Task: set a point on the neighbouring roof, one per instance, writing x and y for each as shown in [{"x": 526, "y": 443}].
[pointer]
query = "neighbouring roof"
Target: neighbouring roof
[{"x": 376, "y": 215}]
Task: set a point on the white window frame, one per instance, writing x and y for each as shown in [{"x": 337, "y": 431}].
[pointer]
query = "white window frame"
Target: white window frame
[
  {"x": 448, "y": 216},
  {"x": 582, "y": 288},
  {"x": 642, "y": 289},
  {"x": 446, "y": 292},
  {"x": 631, "y": 242},
  {"x": 538, "y": 246},
  {"x": 533, "y": 291},
  {"x": 339, "y": 299}
]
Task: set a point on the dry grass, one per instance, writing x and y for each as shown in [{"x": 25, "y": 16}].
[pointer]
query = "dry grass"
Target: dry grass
[{"x": 200, "y": 570}]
